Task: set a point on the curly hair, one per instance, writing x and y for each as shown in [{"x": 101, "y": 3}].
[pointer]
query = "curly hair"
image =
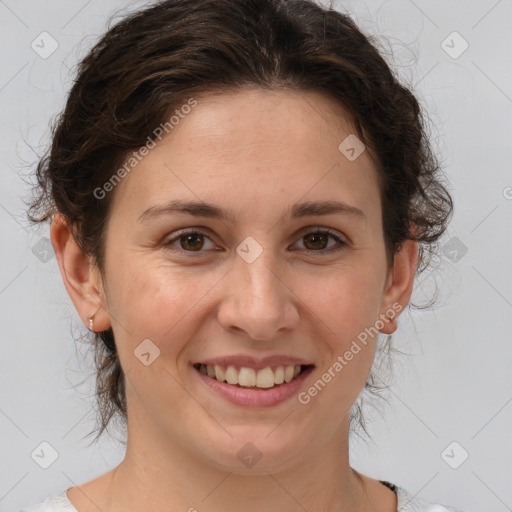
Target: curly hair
[{"x": 151, "y": 61}]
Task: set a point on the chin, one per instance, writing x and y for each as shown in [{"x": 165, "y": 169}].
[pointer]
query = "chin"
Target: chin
[{"x": 255, "y": 451}]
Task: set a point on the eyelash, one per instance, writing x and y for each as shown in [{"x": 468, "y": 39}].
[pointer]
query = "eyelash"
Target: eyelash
[{"x": 342, "y": 244}]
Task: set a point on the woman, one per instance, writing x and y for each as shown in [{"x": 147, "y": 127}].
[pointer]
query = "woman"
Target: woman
[{"x": 241, "y": 194}]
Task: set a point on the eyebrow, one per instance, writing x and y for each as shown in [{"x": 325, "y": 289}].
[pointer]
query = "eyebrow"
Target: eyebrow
[{"x": 208, "y": 210}]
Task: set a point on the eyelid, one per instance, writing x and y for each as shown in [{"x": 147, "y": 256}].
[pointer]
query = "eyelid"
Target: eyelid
[
  {"x": 168, "y": 242},
  {"x": 319, "y": 229},
  {"x": 340, "y": 239}
]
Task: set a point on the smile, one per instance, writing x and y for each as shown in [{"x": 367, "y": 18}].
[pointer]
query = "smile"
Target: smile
[{"x": 247, "y": 377}]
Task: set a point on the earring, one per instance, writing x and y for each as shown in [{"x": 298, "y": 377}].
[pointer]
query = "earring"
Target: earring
[
  {"x": 391, "y": 320},
  {"x": 90, "y": 318}
]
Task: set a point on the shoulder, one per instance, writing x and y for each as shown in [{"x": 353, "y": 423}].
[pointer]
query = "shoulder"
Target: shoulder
[
  {"x": 409, "y": 503},
  {"x": 58, "y": 502}
]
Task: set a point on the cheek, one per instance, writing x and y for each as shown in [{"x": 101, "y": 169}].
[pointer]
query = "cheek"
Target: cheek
[
  {"x": 347, "y": 307},
  {"x": 159, "y": 301},
  {"x": 348, "y": 310},
  {"x": 346, "y": 299},
  {"x": 156, "y": 304}
]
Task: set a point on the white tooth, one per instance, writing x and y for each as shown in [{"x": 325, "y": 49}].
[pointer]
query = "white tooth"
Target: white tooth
[
  {"x": 265, "y": 378},
  {"x": 279, "y": 375},
  {"x": 232, "y": 375},
  {"x": 202, "y": 368},
  {"x": 247, "y": 377},
  {"x": 288, "y": 373},
  {"x": 296, "y": 371},
  {"x": 210, "y": 371},
  {"x": 219, "y": 373}
]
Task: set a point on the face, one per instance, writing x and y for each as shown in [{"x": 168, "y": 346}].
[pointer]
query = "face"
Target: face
[{"x": 286, "y": 266}]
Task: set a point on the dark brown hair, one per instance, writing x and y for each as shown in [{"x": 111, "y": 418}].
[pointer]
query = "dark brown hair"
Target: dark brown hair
[{"x": 151, "y": 62}]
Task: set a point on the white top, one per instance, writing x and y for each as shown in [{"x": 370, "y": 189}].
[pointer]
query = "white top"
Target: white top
[{"x": 406, "y": 503}]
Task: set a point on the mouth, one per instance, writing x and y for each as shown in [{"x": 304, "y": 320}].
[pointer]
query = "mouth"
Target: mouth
[{"x": 251, "y": 378}]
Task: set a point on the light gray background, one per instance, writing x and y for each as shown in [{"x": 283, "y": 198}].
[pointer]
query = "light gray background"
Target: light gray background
[{"x": 455, "y": 386}]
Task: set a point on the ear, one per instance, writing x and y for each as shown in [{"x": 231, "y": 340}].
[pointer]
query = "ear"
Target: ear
[
  {"x": 81, "y": 277},
  {"x": 399, "y": 285}
]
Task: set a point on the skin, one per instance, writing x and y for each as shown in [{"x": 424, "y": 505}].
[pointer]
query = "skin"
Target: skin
[{"x": 256, "y": 153}]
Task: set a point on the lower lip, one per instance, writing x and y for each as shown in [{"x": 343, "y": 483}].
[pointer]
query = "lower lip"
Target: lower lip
[{"x": 256, "y": 397}]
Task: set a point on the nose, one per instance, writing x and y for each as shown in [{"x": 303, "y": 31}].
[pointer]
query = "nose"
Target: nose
[{"x": 258, "y": 301}]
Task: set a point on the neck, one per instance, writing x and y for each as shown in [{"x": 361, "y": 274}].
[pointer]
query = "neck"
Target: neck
[{"x": 170, "y": 477}]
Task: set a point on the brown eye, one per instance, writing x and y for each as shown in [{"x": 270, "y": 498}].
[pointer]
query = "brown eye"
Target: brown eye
[
  {"x": 191, "y": 241},
  {"x": 318, "y": 242}
]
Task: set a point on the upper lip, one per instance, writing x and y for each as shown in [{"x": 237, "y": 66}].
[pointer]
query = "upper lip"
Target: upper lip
[{"x": 253, "y": 362}]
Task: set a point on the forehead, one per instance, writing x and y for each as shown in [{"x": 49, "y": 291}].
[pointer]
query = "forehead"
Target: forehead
[
  {"x": 273, "y": 123},
  {"x": 253, "y": 147}
]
